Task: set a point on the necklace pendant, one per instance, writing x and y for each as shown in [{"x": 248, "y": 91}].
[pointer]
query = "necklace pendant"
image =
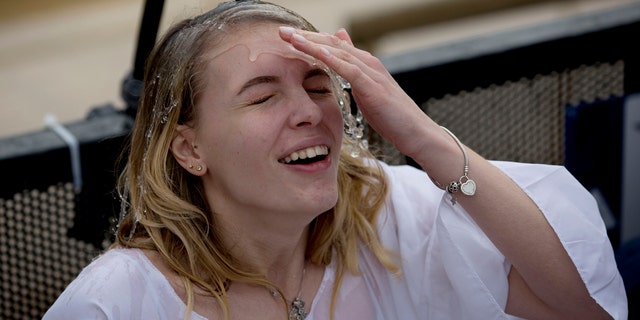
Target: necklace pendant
[{"x": 297, "y": 310}]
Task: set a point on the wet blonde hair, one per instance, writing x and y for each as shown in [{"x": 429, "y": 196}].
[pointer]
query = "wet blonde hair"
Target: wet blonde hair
[{"x": 164, "y": 208}]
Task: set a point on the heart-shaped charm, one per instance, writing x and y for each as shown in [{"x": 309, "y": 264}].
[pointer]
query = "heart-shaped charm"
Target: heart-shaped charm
[{"x": 468, "y": 187}]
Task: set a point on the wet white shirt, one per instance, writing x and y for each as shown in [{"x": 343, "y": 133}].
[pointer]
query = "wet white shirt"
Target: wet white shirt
[{"x": 450, "y": 268}]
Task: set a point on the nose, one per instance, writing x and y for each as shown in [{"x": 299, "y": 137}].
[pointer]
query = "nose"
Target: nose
[{"x": 305, "y": 112}]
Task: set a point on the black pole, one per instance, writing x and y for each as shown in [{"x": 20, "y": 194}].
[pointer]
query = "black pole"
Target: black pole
[{"x": 132, "y": 84}]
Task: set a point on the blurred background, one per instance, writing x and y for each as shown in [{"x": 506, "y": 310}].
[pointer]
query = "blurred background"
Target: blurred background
[{"x": 66, "y": 56}]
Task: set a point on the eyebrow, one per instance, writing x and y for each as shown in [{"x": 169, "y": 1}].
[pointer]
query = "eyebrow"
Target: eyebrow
[
  {"x": 270, "y": 79},
  {"x": 256, "y": 81},
  {"x": 316, "y": 72}
]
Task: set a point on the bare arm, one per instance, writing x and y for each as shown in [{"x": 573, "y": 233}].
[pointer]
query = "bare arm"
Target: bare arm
[{"x": 544, "y": 282}]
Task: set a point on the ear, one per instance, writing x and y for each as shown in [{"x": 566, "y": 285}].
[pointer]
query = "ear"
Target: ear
[{"x": 186, "y": 152}]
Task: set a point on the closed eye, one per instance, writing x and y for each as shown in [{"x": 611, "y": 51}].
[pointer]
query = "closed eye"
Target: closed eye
[
  {"x": 261, "y": 100},
  {"x": 317, "y": 82},
  {"x": 319, "y": 91}
]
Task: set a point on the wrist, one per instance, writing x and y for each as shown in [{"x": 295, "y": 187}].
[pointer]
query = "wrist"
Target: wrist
[
  {"x": 447, "y": 164},
  {"x": 464, "y": 184}
]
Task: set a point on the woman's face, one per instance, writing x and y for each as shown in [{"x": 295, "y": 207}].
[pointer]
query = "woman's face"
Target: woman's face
[{"x": 263, "y": 105}]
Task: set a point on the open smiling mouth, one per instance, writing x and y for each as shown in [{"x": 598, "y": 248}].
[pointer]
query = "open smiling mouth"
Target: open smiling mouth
[{"x": 306, "y": 156}]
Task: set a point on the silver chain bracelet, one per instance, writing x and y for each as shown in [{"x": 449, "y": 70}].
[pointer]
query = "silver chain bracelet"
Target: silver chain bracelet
[{"x": 465, "y": 184}]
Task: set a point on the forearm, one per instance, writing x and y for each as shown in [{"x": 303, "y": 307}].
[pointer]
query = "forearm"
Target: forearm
[{"x": 514, "y": 224}]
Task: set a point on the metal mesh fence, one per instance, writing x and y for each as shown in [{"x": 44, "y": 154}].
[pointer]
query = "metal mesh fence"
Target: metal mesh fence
[
  {"x": 520, "y": 120},
  {"x": 37, "y": 258}
]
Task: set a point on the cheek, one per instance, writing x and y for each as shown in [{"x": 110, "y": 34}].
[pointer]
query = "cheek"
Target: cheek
[
  {"x": 333, "y": 116},
  {"x": 223, "y": 139},
  {"x": 254, "y": 138},
  {"x": 250, "y": 134}
]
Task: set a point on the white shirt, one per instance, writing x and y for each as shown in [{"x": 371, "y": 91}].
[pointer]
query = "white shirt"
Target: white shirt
[{"x": 451, "y": 270}]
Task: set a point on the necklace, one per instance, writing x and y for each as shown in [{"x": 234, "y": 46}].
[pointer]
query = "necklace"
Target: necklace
[{"x": 296, "y": 307}]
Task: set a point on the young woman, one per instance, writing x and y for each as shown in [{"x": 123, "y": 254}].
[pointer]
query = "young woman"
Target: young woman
[{"x": 243, "y": 198}]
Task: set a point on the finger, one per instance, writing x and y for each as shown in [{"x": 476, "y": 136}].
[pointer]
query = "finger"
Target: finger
[
  {"x": 319, "y": 45},
  {"x": 316, "y": 50},
  {"x": 344, "y": 35},
  {"x": 359, "y": 67},
  {"x": 286, "y": 32},
  {"x": 339, "y": 40},
  {"x": 342, "y": 61},
  {"x": 341, "y": 46}
]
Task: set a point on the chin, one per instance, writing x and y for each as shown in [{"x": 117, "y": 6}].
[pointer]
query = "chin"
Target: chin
[{"x": 324, "y": 201}]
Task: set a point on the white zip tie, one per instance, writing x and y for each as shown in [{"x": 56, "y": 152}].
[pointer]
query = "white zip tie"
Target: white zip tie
[{"x": 74, "y": 148}]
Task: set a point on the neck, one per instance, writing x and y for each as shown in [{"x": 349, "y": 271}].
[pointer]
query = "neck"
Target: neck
[
  {"x": 273, "y": 245},
  {"x": 275, "y": 251}
]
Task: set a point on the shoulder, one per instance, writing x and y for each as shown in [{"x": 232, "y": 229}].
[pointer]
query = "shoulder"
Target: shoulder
[
  {"x": 114, "y": 269},
  {"x": 110, "y": 270},
  {"x": 112, "y": 286}
]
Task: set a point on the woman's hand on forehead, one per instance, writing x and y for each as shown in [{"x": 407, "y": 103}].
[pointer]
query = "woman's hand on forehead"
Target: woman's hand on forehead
[{"x": 385, "y": 105}]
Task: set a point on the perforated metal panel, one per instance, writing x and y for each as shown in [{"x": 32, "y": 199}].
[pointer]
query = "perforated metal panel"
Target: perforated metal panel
[
  {"x": 521, "y": 120},
  {"x": 37, "y": 258}
]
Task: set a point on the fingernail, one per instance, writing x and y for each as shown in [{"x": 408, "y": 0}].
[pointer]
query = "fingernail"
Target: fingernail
[
  {"x": 325, "y": 51},
  {"x": 287, "y": 30},
  {"x": 299, "y": 38}
]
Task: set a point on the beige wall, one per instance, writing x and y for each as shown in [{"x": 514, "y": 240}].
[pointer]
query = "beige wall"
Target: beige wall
[{"x": 65, "y": 57}]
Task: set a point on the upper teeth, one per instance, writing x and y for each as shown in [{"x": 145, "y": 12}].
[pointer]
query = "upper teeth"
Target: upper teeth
[{"x": 310, "y": 152}]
